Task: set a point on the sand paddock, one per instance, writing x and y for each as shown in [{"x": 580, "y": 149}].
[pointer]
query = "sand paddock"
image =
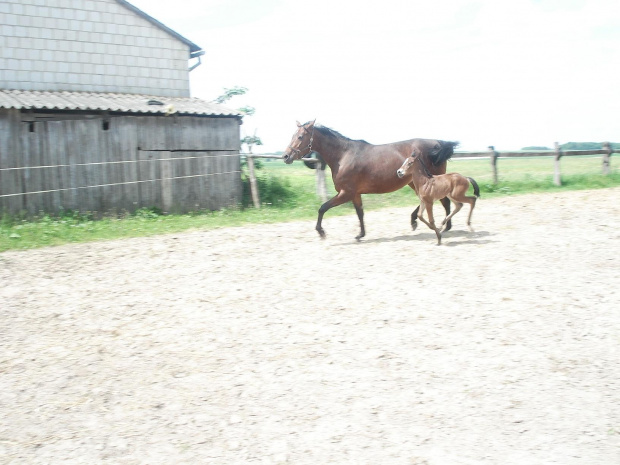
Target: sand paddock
[{"x": 264, "y": 344}]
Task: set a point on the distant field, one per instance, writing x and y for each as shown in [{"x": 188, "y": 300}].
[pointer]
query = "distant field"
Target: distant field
[{"x": 516, "y": 175}]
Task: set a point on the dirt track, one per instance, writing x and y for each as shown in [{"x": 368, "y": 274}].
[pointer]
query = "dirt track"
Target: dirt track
[{"x": 265, "y": 344}]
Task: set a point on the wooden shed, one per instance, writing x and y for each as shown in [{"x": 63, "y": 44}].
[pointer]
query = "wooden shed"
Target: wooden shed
[
  {"x": 96, "y": 114},
  {"x": 116, "y": 152}
]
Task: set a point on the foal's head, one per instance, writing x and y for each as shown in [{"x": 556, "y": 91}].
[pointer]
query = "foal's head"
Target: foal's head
[
  {"x": 406, "y": 168},
  {"x": 301, "y": 143}
]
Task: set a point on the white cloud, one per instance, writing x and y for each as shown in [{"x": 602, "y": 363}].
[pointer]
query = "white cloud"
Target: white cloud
[{"x": 509, "y": 74}]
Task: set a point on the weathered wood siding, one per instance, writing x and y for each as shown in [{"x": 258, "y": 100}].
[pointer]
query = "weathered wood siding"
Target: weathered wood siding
[{"x": 176, "y": 163}]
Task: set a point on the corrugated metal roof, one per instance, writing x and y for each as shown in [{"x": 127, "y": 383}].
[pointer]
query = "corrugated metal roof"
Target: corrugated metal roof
[{"x": 125, "y": 103}]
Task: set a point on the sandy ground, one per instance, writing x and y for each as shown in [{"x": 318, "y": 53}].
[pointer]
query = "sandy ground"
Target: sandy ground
[{"x": 265, "y": 344}]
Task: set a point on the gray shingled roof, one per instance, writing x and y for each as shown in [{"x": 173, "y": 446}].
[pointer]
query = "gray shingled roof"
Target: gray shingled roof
[{"x": 125, "y": 103}]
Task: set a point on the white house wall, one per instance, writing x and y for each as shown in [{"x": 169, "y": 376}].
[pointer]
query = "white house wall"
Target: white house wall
[{"x": 88, "y": 46}]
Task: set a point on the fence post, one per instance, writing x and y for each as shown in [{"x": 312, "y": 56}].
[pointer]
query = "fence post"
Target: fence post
[
  {"x": 321, "y": 189},
  {"x": 606, "y": 157},
  {"x": 165, "y": 166},
  {"x": 557, "y": 178},
  {"x": 253, "y": 185},
  {"x": 494, "y": 154}
]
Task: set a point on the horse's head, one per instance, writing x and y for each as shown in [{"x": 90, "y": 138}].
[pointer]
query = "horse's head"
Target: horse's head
[
  {"x": 301, "y": 143},
  {"x": 407, "y": 166}
]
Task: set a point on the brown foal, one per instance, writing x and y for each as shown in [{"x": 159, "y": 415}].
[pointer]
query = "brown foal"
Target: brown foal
[{"x": 434, "y": 187}]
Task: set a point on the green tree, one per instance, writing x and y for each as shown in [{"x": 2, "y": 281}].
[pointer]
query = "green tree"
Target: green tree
[
  {"x": 251, "y": 141},
  {"x": 232, "y": 92},
  {"x": 247, "y": 110}
]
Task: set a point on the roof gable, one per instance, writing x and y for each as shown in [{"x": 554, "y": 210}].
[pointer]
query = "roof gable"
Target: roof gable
[{"x": 192, "y": 46}]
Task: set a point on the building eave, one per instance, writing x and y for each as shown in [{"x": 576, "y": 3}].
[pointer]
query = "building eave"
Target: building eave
[{"x": 193, "y": 48}]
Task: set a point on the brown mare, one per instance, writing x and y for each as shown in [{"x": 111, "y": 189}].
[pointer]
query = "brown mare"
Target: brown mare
[
  {"x": 431, "y": 187},
  {"x": 361, "y": 168}
]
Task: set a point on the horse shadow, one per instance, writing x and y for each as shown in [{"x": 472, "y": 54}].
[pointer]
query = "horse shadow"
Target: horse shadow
[{"x": 471, "y": 238}]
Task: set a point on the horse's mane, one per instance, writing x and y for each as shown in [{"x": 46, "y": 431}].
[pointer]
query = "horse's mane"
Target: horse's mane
[
  {"x": 426, "y": 171},
  {"x": 328, "y": 132},
  {"x": 442, "y": 152}
]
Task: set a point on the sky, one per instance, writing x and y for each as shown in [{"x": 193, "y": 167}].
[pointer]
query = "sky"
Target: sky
[{"x": 510, "y": 73}]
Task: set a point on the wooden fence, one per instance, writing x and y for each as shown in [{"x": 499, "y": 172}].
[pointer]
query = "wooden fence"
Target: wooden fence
[
  {"x": 491, "y": 153},
  {"x": 557, "y": 154}
]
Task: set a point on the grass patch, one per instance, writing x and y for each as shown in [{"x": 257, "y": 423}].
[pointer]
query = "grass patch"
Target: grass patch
[{"x": 287, "y": 194}]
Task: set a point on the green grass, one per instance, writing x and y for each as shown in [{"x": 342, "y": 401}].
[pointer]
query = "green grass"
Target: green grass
[{"x": 287, "y": 194}]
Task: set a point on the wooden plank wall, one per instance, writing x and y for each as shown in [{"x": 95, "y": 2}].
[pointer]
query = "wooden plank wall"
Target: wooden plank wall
[{"x": 175, "y": 163}]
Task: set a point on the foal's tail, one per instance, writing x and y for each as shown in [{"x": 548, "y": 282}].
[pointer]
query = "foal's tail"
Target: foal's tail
[
  {"x": 442, "y": 152},
  {"x": 476, "y": 188}
]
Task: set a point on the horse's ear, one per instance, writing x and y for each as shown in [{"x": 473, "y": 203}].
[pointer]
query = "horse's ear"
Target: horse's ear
[
  {"x": 298, "y": 124},
  {"x": 313, "y": 121}
]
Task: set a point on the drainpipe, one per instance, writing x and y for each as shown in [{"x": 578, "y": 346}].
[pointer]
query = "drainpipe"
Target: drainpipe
[{"x": 197, "y": 54}]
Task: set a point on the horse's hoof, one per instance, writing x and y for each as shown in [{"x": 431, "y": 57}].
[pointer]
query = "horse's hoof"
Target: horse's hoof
[
  {"x": 414, "y": 225},
  {"x": 321, "y": 233}
]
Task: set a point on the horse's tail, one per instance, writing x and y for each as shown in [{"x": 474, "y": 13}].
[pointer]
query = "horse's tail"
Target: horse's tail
[
  {"x": 476, "y": 188},
  {"x": 443, "y": 151}
]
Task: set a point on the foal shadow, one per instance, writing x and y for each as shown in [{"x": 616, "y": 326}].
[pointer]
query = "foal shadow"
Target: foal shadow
[{"x": 473, "y": 238}]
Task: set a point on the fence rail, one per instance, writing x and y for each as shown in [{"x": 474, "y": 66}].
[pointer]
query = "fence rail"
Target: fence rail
[
  {"x": 491, "y": 153},
  {"x": 557, "y": 154}
]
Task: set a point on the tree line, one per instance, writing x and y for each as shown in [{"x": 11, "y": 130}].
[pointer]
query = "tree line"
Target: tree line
[{"x": 576, "y": 146}]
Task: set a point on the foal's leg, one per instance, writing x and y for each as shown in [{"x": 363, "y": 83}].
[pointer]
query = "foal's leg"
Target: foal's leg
[
  {"x": 431, "y": 219},
  {"x": 339, "y": 199},
  {"x": 472, "y": 204},
  {"x": 428, "y": 206},
  {"x": 457, "y": 208}
]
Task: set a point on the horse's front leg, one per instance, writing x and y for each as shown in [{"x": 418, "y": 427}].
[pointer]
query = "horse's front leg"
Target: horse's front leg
[
  {"x": 446, "y": 205},
  {"x": 339, "y": 199}
]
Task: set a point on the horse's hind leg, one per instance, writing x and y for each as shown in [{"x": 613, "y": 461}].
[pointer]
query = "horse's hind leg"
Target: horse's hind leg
[
  {"x": 446, "y": 205},
  {"x": 414, "y": 217},
  {"x": 357, "y": 202}
]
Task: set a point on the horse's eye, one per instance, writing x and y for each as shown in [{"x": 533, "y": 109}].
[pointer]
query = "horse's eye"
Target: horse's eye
[{"x": 300, "y": 137}]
